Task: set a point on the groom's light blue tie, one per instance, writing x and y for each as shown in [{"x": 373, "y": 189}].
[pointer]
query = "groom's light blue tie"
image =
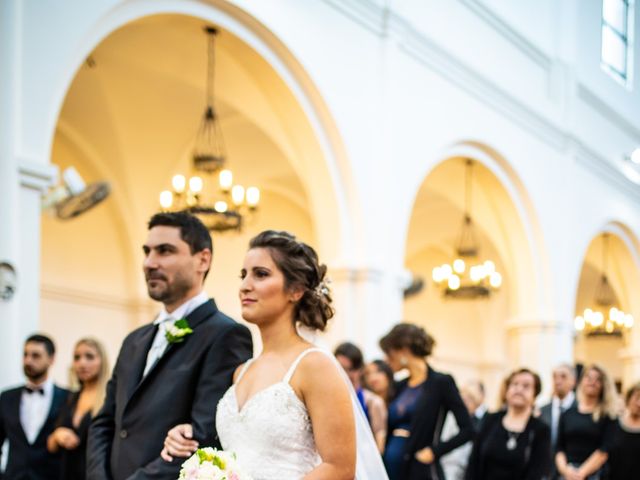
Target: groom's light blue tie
[{"x": 158, "y": 346}]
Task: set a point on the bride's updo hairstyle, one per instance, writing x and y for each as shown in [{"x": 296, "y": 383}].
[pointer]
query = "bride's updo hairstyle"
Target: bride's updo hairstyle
[{"x": 299, "y": 264}]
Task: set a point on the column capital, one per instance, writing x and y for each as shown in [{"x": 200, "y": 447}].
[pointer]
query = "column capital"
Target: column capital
[
  {"x": 534, "y": 324},
  {"x": 357, "y": 274},
  {"x": 36, "y": 175}
]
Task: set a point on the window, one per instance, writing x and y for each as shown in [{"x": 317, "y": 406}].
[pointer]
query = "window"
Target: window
[{"x": 615, "y": 38}]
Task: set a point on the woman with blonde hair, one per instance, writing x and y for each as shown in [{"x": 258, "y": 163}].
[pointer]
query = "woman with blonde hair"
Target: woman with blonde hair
[
  {"x": 90, "y": 372},
  {"x": 585, "y": 431}
]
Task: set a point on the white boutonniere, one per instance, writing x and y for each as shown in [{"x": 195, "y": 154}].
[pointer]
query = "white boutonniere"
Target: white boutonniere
[{"x": 177, "y": 332}]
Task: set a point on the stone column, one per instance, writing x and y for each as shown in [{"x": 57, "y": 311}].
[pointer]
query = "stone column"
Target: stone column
[
  {"x": 539, "y": 344},
  {"x": 21, "y": 184},
  {"x": 9, "y": 196},
  {"x": 368, "y": 302}
]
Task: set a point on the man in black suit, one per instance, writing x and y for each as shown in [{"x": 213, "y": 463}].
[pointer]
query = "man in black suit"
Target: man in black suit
[
  {"x": 167, "y": 373},
  {"x": 564, "y": 382},
  {"x": 28, "y": 415}
]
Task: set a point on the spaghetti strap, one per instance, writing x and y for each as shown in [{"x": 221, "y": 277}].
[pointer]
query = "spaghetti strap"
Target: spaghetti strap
[
  {"x": 243, "y": 370},
  {"x": 294, "y": 365}
]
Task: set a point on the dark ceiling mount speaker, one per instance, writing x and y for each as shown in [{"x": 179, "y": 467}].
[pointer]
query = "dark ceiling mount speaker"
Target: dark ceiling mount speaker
[{"x": 74, "y": 197}]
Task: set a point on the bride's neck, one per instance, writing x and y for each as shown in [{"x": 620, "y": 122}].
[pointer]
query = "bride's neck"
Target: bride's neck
[{"x": 278, "y": 335}]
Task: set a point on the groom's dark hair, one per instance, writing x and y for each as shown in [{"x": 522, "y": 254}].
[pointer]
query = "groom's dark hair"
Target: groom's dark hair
[{"x": 192, "y": 230}]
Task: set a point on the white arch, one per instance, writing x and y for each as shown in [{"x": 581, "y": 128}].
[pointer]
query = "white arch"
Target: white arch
[
  {"x": 533, "y": 294},
  {"x": 628, "y": 238},
  {"x": 338, "y": 214}
]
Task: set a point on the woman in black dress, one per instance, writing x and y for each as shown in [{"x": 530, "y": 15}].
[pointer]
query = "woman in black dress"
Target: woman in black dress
[
  {"x": 512, "y": 443},
  {"x": 585, "y": 431},
  {"x": 418, "y": 410},
  {"x": 624, "y": 458},
  {"x": 91, "y": 371}
]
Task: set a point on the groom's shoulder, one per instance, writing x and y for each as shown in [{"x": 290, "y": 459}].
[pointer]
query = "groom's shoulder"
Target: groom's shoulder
[{"x": 220, "y": 321}]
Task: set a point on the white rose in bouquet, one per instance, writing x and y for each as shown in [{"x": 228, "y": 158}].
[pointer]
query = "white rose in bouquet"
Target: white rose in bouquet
[{"x": 211, "y": 464}]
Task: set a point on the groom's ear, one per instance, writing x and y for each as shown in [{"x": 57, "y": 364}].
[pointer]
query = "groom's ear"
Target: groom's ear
[{"x": 203, "y": 259}]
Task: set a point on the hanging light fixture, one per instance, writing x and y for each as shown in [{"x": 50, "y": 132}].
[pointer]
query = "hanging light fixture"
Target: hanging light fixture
[
  {"x": 220, "y": 204},
  {"x": 467, "y": 276},
  {"x": 604, "y": 317}
]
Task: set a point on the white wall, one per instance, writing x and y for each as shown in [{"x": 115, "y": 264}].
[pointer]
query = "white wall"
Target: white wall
[{"x": 394, "y": 89}]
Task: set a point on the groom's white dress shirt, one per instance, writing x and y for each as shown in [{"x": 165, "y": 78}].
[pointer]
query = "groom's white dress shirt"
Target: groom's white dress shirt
[
  {"x": 34, "y": 409},
  {"x": 163, "y": 320}
]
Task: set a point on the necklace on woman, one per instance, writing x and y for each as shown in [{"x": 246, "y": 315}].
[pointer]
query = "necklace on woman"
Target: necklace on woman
[{"x": 512, "y": 441}]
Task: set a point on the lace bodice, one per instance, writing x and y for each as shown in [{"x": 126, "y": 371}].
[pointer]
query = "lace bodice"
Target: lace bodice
[{"x": 272, "y": 434}]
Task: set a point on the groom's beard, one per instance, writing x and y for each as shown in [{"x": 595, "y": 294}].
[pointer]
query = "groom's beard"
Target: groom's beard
[{"x": 165, "y": 291}]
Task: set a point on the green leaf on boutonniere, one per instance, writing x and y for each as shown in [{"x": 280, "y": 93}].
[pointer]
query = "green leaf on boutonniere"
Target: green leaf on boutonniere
[{"x": 177, "y": 332}]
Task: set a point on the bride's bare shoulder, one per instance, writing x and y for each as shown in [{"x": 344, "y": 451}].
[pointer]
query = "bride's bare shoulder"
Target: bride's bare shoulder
[{"x": 316, "y": 365}]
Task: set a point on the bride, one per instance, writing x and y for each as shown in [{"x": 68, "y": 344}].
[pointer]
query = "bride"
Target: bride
[{"x": 289, "y": 413}]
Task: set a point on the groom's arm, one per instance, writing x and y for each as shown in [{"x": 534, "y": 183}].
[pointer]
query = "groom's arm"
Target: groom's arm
[{"x": 230, "y": 348}]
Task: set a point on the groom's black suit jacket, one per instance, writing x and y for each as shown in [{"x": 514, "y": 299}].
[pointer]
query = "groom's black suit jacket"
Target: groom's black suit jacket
[{"x": 184, "y": 386}]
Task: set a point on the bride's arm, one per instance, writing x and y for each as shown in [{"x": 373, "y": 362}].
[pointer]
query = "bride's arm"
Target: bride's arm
[{"x": 328, "y": 401}]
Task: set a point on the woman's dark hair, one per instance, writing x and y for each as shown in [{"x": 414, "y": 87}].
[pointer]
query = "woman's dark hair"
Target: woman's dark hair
[
  {"x": 407, "y": 335},
  {"x": 633, "y": 389},
  {"x": 537, "y": 383},
  {"x": 192, "y": 230},
  {"x": 352, "y": 352},
  {"x": 48, "y": 344},
  {"x": 299, "y": 264},
  {"x": 388, "y": 372}
]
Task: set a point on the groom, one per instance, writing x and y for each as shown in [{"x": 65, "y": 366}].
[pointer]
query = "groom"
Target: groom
[{"x": 173, "y": 370}]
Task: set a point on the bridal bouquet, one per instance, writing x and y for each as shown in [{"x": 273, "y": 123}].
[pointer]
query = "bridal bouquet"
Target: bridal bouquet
[{"x": 212, "y": 464}]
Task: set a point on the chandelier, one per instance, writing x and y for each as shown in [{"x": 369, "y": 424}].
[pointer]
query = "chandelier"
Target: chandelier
[
  {"x": 467, "y": 276},
  {"x": 604, "y": 317},
  {"x": 221, "y": 205}
]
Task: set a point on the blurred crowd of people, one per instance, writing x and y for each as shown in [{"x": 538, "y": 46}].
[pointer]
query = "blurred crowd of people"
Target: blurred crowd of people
[
  {"x": 430, "y": 429},
  {"x": 425, "y": 427}
]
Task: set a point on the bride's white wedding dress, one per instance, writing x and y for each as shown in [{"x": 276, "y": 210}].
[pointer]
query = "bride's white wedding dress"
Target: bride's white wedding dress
[{"x": 272, "y": 433}]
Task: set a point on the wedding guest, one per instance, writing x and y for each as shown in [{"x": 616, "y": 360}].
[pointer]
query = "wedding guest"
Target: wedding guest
[
  {"x": 585, "y": 431},
  {"x": 624, "y": 458},
  {"x": 454, "y": 463},
  {"x": 90, "y": 370},
  {"x": 378, "y": 377},
  {"x": 513, "y": 443},
  {"x": 421, "y": 403},
  {"x": 564, "y": 381},
  {"x": 352, "y": 361},
  {"x": 28, "y": 414}
]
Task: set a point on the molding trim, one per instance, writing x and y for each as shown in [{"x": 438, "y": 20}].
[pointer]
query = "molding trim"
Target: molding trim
[
  {"x": 511, "y": 35},
  {"x": 591, "y": 99},
  {"x": 92, "y": 299},
  {"x": 365, "y": 13},
  {"x": 35, "y": 175},
  {"x": 427, "y": 52},
  {"x": 600, "y": 167}
]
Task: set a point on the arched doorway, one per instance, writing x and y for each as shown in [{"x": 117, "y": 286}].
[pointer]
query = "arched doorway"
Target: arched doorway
[
  {"x": 129, "y": 116},
  {"x": 612, "y": 252},
  {"x": 478, "y": 338}
]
